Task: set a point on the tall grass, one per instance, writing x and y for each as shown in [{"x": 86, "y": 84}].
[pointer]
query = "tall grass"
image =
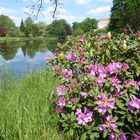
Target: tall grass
[{"x": 26, "y": 108}]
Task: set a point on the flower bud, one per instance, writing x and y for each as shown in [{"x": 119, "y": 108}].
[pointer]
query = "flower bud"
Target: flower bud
[
  {"x": 124, "y": 44},
  {"x": 109, "y": 35}
]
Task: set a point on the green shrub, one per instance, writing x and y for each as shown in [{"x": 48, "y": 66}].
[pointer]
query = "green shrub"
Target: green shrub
[{"x": 98, "y": 93}]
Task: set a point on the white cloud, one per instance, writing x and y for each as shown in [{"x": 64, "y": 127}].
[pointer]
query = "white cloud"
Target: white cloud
[
  {"x": 83, "y": 1},
  {"x": 61, "y": 14},
  {"x": 5, "y": 11},
  {"x": 105, "y": 0},
  {"x": 99, "y": 10},
  {"x": 15, "y": 19}
]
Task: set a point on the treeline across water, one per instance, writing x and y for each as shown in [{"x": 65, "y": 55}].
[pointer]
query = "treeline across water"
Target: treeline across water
[{"x": 58, "y": 28}]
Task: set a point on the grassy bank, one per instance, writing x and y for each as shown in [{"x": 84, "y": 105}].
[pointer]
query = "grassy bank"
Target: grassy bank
[{"x": 26, "y": 108}]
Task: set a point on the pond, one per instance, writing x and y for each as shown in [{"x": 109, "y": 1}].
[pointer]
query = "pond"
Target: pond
[{"x": 22, "y": 57}]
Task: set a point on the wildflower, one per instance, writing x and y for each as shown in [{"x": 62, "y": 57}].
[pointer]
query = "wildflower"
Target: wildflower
[
  {"x": 109, "y": 124},
  {"x": 66, "y": 73},
  {"x": 84, "y": 117},
  {"x": 60, "y": 90},
  {"x": 104, "y": 103},
  {"x": 134, "y": 103},
  {"x": 62, "y": 101}
]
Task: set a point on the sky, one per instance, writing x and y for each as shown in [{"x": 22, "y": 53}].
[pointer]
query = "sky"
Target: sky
[{"x": 70, "y": 10}]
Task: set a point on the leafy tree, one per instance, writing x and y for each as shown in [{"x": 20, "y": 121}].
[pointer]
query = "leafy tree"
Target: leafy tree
[
  {"x": 41, "y": 27},
  {"x": 6, "y": 24},
  {"x": 28, "y": 27},
  {"x": 58, "y": 29},
  {"x": 125, "y": 13},
  {"x": 89, "y": 24},
  {"x": 84, "y": 26}
]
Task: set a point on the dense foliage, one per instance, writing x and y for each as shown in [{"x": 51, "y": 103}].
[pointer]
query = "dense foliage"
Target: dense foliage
[
  {"x": 58, "y": 28},
  {"x": 6, "y": 25},
  {"x": 84, "y": 26},
  {"x": 125, "y": 13},
  {"x": 99, "y": 84}
]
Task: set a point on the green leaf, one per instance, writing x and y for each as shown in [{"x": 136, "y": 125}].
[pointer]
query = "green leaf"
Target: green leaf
[
  {"x": 120, "y": 123},
  {"x": 83, "y": 136},
  {"x": 71, "y": 132},
  {"x": 92, "y": 136},
  {"x": 96, "y": 134},
  {"x": 108, "y": 53},
  {"x": 103, "y": 59},
  {"x": 105, "y": 133}
]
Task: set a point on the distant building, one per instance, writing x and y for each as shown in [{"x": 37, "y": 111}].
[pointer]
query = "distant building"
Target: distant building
[{"x": 102, "y": 23}]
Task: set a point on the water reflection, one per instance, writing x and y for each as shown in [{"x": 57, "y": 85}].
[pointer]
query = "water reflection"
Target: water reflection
[{"x": 25, "y": 56}]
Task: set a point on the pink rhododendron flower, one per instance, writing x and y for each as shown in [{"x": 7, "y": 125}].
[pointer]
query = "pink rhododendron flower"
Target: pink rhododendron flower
[
  {"x": 136, "y": 135},
  {"x": 125, "y": 66},
  {"x": 104, "y": 103},
  {"x": 122, "y": 136},
  {"x": 115, "y": 82},
  {"x": 60, "y": 90},
  {"x": 84, "y": 117},
  {"x": 82, "y": 38},
  {"x": 49, "y": 57},
  {"x": 134, "y": 103},
  {"x": 56, "y": 68},
  {"x": 62, "y": 101},
  {"x": 130, "y": 83},
  {"x": 66, "y": 73},
  {"x": 58, "y": 109},
  {"x": 74, "y": 47},
  {"x": 74, "y": 100},
  {"x": 71, "y": 57},
  {"x": 83, "y": 94},
  {"x": 81, "y": 59},
  {"x": 81, "y": 50},
  {"x": 109, "y": 124},
  {"x": 102, "y": 38},
  {"x": 70, "y": 87},
  {"x": 114, "y": 67}
]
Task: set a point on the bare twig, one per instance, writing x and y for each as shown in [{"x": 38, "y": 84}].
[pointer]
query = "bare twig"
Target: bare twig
[{"x": 38, "y": 6}]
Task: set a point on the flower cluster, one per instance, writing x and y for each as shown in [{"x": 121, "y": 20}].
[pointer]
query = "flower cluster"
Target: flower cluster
[
  {"x": 104, "y": 103},
  {"x": 92, "y": 80},
  {"x": 84, "y": 117},
  {"x": 109, "y": 124}
]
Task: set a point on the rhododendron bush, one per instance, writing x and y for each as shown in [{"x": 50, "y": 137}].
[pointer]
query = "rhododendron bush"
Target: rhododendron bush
[{"x": 98, "y": 93}]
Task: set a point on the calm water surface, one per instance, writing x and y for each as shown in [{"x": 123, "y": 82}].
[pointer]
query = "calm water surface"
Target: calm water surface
[{"x": 26, "y": 56}]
